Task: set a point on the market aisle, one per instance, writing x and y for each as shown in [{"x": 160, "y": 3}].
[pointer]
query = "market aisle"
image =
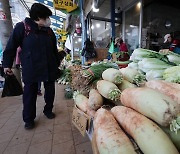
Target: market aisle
[{"x": 57, "y": 136}]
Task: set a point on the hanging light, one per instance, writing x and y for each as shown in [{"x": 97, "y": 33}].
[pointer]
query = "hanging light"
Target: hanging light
[
  {"x": 98, "y": 25},
  {"x": 139, "y": 5}
]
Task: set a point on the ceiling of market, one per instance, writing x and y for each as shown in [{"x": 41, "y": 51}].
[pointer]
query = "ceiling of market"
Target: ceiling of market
[{"x": 57, "y": 18}]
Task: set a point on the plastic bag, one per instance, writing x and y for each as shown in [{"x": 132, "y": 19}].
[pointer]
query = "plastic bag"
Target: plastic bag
[
  {"x": 11, "y": 86},
  {"x": 111, "y": 49}
]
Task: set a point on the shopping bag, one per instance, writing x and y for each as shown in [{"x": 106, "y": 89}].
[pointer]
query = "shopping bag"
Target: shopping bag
[
  {"x": 11, "y": 86},
  {"x": 111, "y": 49}
]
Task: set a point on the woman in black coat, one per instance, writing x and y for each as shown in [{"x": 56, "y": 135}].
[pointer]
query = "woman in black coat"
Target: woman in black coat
[{"x": 39, "y": 60}]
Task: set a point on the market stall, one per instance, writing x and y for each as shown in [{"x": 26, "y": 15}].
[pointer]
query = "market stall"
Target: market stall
[{"x": 128, "y": 110}]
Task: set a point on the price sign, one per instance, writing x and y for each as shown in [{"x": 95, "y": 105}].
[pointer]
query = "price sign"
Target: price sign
[
  {"x": 79, "y": 120},
  {"x": 67, "y": 5}
]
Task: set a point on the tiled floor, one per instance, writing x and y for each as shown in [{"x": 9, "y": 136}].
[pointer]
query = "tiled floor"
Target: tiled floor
[{"x": 56, "y": 136}]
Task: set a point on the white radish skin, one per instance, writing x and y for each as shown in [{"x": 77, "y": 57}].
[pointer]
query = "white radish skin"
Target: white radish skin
[
  {"x": 91, "y": 112},
  {"x": 151, "y": 103},
  {"x": 126, "y": 84},
  {"x": 112, "y": 75},
  {"x": 170, "y": 89},
  {"x": 105, "y": 88},
  {"x": 149, "y": 137},
  {"x": 95, "y": 100},
  {"x": 109, "y": 136},
  {"x": 81, "y": 102}
]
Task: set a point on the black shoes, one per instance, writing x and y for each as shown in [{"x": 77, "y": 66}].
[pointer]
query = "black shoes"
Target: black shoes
[
  {"x": 50, "y": 115},
  {"x": 29, "y": 125}
]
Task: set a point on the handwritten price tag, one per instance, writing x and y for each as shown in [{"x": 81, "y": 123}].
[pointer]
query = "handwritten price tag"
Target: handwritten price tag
[{"x": 79, "y": 120}]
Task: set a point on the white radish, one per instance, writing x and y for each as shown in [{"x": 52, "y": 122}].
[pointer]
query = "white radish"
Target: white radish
[
  {"x": 167, "y": 88},
  {"x": 112, "y": 75},
  {"x": 95, "y": 100},
  {"x": 109, "y": 136},
  {"x": 126, "y": 84},
  {"x": 108, "y": 89},
  {"x": 149, "y": 137},
  {"x": 81, "y": 101},
  {"x": 132, "y": 75},
  {"x": 151, "y": 103}
]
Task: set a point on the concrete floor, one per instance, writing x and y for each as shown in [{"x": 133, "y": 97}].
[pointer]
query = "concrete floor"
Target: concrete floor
[{"x": 56, "y": 136}]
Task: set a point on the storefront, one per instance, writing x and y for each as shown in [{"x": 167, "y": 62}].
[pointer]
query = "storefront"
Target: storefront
[{"x": 143, "y": 23}]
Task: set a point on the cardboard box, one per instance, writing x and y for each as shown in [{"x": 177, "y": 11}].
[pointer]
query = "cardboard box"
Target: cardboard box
[{"x": 81, "y": 120}]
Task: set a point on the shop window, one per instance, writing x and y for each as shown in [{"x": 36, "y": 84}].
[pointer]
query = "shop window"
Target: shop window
[{"x": 160, "y": 18}]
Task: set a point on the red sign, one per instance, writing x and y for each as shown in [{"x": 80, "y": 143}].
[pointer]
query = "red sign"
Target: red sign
[{"x": 2, "y": 15}]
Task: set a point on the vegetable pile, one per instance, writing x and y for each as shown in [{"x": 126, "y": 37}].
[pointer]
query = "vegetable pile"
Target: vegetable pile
[
  {"x": 149, "y": 114},
  {"x": 155, "y": 65}
]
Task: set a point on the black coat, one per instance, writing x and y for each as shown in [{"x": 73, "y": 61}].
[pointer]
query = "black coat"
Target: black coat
[{"x": 39, "y": 55}]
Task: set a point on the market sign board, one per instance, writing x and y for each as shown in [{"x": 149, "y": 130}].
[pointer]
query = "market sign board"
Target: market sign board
[
  {"x": 61, "y": 32},
  {"x": 67, "y": 5}
]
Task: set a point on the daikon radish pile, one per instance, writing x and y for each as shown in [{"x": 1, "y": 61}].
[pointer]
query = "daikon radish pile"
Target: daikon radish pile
[
  {"x": 171, "y": 90},
  {"x": 95, "y": 100},
  {"x": 126, "y": 84},
  {"x": 132, "y": 75},
  {"x": 81, "y": 101},
  {"x": 109, "y": 136},
  {"x": 112, "y": 75},
  {"x": 151, "y": 103},
  {"x": 108, "y": 89},
  {"x": 149, "y": 137}
]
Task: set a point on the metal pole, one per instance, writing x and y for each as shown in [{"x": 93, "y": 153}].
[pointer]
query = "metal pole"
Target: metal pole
[
  {"x": 6, "y": 24},
  {"x": 83, "y": 28},
  {"x": 113, "y": 18},
  {"x": 140, "y": 23},
  {"x": 123, "y": 25},
  {"x": 72, "y": 48}
]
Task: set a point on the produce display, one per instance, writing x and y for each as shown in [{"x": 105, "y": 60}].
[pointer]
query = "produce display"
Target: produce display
[
  {"x": 147, "y": 119},
  {"x": 94, "y": 73}
]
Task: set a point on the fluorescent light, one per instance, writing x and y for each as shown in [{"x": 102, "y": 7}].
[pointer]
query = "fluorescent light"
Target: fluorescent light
[
  {"x": 132, "y": 26},
  {"x": 139, "y": 5},
  {"x": 98, "y": 25},
  {"x": 92, "y": 27},
  {"x": 94, "y": 9}
]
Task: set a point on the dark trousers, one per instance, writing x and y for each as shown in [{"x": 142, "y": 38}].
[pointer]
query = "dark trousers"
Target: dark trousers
[{"x": 30, "y": 97}]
